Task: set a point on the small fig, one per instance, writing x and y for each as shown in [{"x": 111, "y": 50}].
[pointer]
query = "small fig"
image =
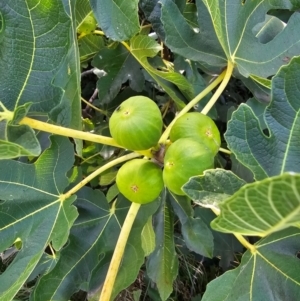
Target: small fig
[
  {"x": 88, "y": 25},
  {"x": 136, "y": 124},
  {"x": 199, "y": 127},
  {"x": 185, "y": 158},
  {"x": 140, "y": 181}
]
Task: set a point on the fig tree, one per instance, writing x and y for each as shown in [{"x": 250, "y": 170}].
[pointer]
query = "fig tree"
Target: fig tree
[
  {"x": 199, "y": 127},
  {"x": 185, "y": 158},
  {"x": 136, "y": 124},
  {"x": 140, "y": 181}
]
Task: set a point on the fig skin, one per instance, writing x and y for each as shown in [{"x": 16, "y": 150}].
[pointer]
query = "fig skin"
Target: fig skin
[
  {"x": 136, "y": 124},
  {"x": 185, "y": 158},
  {"x": 88, "y": 25},
  {"x": 199, "y": 127},
  {"x": 140, "y": 181}
]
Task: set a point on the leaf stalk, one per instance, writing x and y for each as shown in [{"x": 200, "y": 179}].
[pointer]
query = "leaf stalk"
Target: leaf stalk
[
  {"x": 98, "y": 172},
  {"x": 191, "y": 104},
  {"x": 118, "y": 253},
  {"x": 62, "y": 131},
  {"x": 220, "y": 89}
]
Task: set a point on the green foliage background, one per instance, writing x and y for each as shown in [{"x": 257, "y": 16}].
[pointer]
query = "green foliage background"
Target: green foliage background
[{"x": 169, "y": 51}]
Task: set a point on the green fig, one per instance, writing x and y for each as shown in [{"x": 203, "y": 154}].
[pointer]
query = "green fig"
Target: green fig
[
  {"x": 88, "y": 25},
  {"x": 140, "y": 181},
  {"x": 199, "y": 127},
  {"x": 136, "y": 124},
  {"x": 185, "y": 158}
]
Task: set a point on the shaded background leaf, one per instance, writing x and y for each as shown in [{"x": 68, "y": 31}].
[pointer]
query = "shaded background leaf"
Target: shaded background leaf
[
  {"x": 117, "y": 18},
  {"x": 267, "y": 274},
  {"x": 162, "y": 264},
  {"x": 226, "y": 246},
  {"x": 197, "y": 236},
  {"x": 119, "y": 67}
]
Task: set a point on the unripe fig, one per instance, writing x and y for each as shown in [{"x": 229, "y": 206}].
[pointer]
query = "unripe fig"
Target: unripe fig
[
  {"x": 88, "y": 25},
  {"x": 140, "y": 181},
  {"x": 136, "y": 124},
  {"x": 199, "y": 127},
  {"x": 185, "y": 158}
]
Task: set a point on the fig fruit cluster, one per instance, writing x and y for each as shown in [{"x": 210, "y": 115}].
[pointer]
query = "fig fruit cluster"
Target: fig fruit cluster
[{"x": 137, "y": 125}]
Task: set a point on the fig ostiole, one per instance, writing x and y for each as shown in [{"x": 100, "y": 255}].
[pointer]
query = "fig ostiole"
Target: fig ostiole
[
  {"x": 184, "y": 159},
  {"x": 140, "y": 181},
  {"x": 199, "y": 127},
  {"x": 136, "y": 124}
]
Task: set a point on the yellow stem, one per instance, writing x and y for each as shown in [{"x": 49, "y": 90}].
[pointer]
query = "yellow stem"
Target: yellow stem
[
  {"x": 220, "y": 89},
  {"x": 238, "y": 236},
  {"x": 99, "y": 32},
  {"x": 118, "y": 253},
  {"x": 245, "y": 242},
  {"x": 5, "y": 114},
  {"x": 126, "y": 46},
  {"x": 145, "y": 26},
  {"x": 225, "y": 151},
  {"x": 62, "y": 131},
  {"x": 191, "y": 104},
  {"x": 98, "y": 172}
]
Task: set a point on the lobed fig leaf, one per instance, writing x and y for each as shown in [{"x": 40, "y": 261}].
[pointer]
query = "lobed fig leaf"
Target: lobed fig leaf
[
  {"x": 199, "y": 127},
  {"x": 184, "y": 159},
  {"x": 136, "y": 124},
  {"x": 140, "y": 181}
]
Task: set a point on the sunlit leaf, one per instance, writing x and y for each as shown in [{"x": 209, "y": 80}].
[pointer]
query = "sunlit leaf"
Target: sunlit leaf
[
  {"x": 213, "y": 187},
  {"x": 262, "y": 207}
]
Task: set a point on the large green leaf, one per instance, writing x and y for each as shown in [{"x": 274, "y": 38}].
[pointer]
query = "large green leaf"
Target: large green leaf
[
  {"x": 68, "y": 113},
  {"x": 120, "y": 66},
  {"x": 270, "y": 272},
  {"x": 234, "y": 22},
  {"x": 197, "y": 44},
  {"x": 162, "y": 264},
  {"x": 35, "y": 32},
  {"x": 262, "y": 207},
  {"x": 175, "y": 84},
  {"x": 280, "y": 151},
  {"x": 226, "y": 31},
  {"x": 32, "y": 211},
  {"x": 83, "y": 263},
  {"x": 117, "y": 18},
  {"x": 47, "y": 73}
]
